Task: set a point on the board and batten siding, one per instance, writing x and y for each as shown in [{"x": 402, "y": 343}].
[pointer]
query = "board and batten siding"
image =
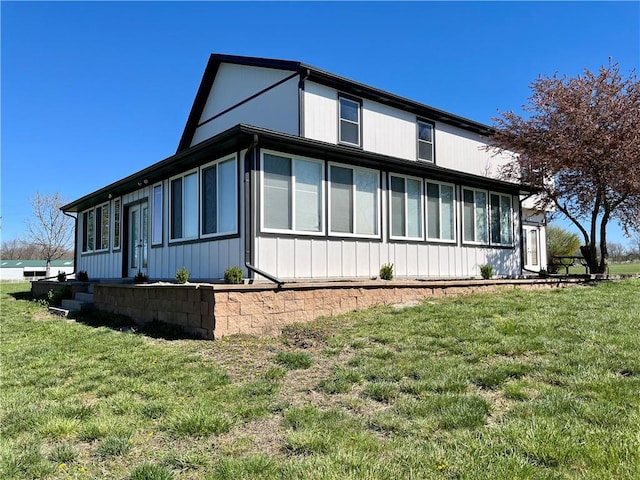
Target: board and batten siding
[{"x": 276, "y": 109}]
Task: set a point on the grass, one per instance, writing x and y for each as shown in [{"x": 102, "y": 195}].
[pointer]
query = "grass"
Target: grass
[
  {"x": 517, "y": 385},
  {"x": 614, "y": 269}
]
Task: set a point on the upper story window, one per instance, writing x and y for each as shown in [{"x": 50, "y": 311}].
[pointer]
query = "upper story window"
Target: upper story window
[
  {"x": 292, "y": 194},
  {"x": 219, "y": 198},
  {"x": 95, "y": 229},
  {"x": 354, "y": 197},
  {"x": 350, "y": 121},
  {"x": 425, "y": 141},
  {"x": 406, "y": 207}
]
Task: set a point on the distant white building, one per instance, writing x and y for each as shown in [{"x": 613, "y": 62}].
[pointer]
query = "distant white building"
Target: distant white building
[{"x": 32, "y": 270}]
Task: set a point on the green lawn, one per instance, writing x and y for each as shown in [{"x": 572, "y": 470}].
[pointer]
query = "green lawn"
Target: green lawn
[
  {"x": 514, "y": 385},
  {"x": 614, "y": 269}
]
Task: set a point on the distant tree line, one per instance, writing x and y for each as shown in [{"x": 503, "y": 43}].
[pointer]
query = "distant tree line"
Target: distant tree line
[{"x": 19, "y": 249}]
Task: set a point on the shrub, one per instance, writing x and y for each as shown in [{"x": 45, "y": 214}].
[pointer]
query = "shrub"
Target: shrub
[
  {"x": 386, "y": 271},
  {"x": 182, "y": 275},
  {"x": 486, "y": 271},
  {"x": 62, "y": 276},
  {"x": 233, "y": 275},
  {"x": 55, "y": 298},
  {"x": 82, "y": 276},
  {"x": 140, "y": 278}
]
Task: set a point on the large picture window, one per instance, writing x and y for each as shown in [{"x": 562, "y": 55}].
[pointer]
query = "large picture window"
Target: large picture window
[
  {"x": 219, "y": 198},
  {"x": 156, "y": 219},
  {"x": 292, "y": 195},
  {"x": 406, "y": 207},
  {"x": 95, "y": 229},
  {"x": 501, "y": 219},
  {"x": 184, "y": 207},
  {"x": 350, "y": 121},
  {"x": 474, "y": 216},
  {"x": 354, "y": 200},
  {"x": 441, "y": 212}
]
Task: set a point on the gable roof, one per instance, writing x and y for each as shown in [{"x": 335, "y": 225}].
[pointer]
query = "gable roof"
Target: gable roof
[{"x": 309, "y": 72}]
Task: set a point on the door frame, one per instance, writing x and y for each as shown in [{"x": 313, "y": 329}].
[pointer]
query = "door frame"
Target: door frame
[{"x": 126, "y": 228}]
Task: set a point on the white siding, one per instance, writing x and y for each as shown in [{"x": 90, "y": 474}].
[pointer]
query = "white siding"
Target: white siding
[
  {"x": 388, "y": 131},
  {"x": 320, "y": 113},
  {"x": 276, "y": 109}
]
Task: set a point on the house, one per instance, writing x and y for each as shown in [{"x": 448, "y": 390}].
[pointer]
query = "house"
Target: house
[
  {"x": 31, "y": 270},
  {"x": 294, "y": 173}
]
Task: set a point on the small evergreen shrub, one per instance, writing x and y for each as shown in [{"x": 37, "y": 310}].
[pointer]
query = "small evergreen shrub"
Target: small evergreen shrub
[
  {"x": 233, "y": 275},
  {"x": 62, "y": 276},
  {"x": 82, "y": 276},
  {"x": 182, "y": 275},
  {"x": 140, "y": 278},
  {"x": 386, "y": 271},
  {"x": 486, "y": 271}
]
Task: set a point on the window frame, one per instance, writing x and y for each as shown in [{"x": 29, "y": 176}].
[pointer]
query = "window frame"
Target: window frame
[
  {"x": 486, "y": 216},
  {"x": 117, "y": 225},
  {"x": 490, "y": 214},
  {"x": 432, "y": 143},
  {"x": 421, "y": 203},
  {"x": 97, "y": 232},
  {"x": 358, "y": 102},
  {"x": 454, "y": 212},
  {"x": 292, "y": 195},
  {"x": 233, "y": 158},
  {"x": 378, "y": 219},
  {"x": 182, "y": 176}
]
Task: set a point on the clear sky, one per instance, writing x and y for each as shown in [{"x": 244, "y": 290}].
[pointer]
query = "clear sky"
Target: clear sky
[{"x": 94, "y": 91}]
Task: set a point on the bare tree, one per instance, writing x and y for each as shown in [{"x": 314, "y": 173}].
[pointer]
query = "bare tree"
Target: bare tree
[
  {"x": 616, "y": 251},
  {"x": 50, "y": 229},
  {"x": 580, "y": 146}
]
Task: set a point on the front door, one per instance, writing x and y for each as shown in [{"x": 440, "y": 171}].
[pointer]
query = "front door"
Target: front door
[
  {"x": 531, "y": 237},
  {"x": 138, "y": 239}
]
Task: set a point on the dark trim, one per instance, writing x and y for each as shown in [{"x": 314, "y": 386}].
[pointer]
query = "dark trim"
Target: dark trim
[
  {"x": 487, "y": 245},
  {"x": 178, "y": 242},
  {"x": 248, "y": 99},
  {"x": 251, "y": 194},
  {"x": 301, "y": 111}
]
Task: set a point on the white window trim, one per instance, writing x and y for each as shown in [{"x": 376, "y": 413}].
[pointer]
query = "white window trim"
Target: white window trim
[
  {"x": 162, "y": 216},
  {"x": 95, "y": 223},
  {"x": 432, "y": 142},
  {"x": 234, "y": 158},
  {"x": 358, "y": 123},
  {"x": 113, "y": 226},
  {"x": 293, "y": 230},
  {"x": 353, "y": 192},
  {"x": 406, "y": 218},
  {"x": 500, "y": 195},
  {"x": 455, "y": 214},
  {"x": 487, "y": 218},
  {"x": 170, "y": 209}
]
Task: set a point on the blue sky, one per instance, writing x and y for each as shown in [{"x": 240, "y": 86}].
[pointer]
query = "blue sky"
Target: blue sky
[{"x": 92, "y": 92}]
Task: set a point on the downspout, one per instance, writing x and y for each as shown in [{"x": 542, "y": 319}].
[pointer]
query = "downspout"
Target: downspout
[{"x": 249, "y": 168}]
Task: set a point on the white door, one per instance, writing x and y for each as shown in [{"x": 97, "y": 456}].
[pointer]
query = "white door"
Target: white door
[
  {"x": 138, "y": 239},
  {"x": 531, "y": 237}
]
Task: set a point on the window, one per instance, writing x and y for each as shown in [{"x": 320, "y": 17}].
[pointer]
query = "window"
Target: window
[
  {"x": 219, "y": 198},
  {"x": 95, "y": 229},
  {"x": 292, "y": 196},
  {"x": 184, "y": 207},
  {"x": 354, "y": 199},
  {"x": 501, "y": 219},
  {"x": 406, "y": 207},
  {"x": 156, "y": 219},
  {"x": 441, "y": 212},
  {"x": 425, "y": 141},
  {"x": 349, "y": 121},
  {"x": 474, "y": 213},
  {"x": 117, "y": 207}
]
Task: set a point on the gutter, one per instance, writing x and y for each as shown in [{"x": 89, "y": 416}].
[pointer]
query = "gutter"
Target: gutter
[{"x": 249, "y": 168}]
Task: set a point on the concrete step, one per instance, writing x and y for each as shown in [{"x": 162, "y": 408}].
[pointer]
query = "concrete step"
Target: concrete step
[
  {"x": 90, "y": 288},
  {"x": 62, "y": 312},
  {"x": 84, "y": 297},
  {"x": 77, "y": 305}
]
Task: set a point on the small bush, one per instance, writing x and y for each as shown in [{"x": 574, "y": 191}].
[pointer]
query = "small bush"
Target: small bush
[
  {"x": 55, "y": 298},
  {"x": 140, "y": 278},
  {"x": 233, "y": 275},
  {"x": 62, "y": 276},
  {"x": 486, "y": 271},
  {"x": 386, "y": 271},
  {"x": 82, "y": 276},
  {"x": 182, "y": 275}
]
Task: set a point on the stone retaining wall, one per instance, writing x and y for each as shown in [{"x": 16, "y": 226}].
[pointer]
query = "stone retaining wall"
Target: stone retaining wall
[{"x": 213, "y": 311}]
